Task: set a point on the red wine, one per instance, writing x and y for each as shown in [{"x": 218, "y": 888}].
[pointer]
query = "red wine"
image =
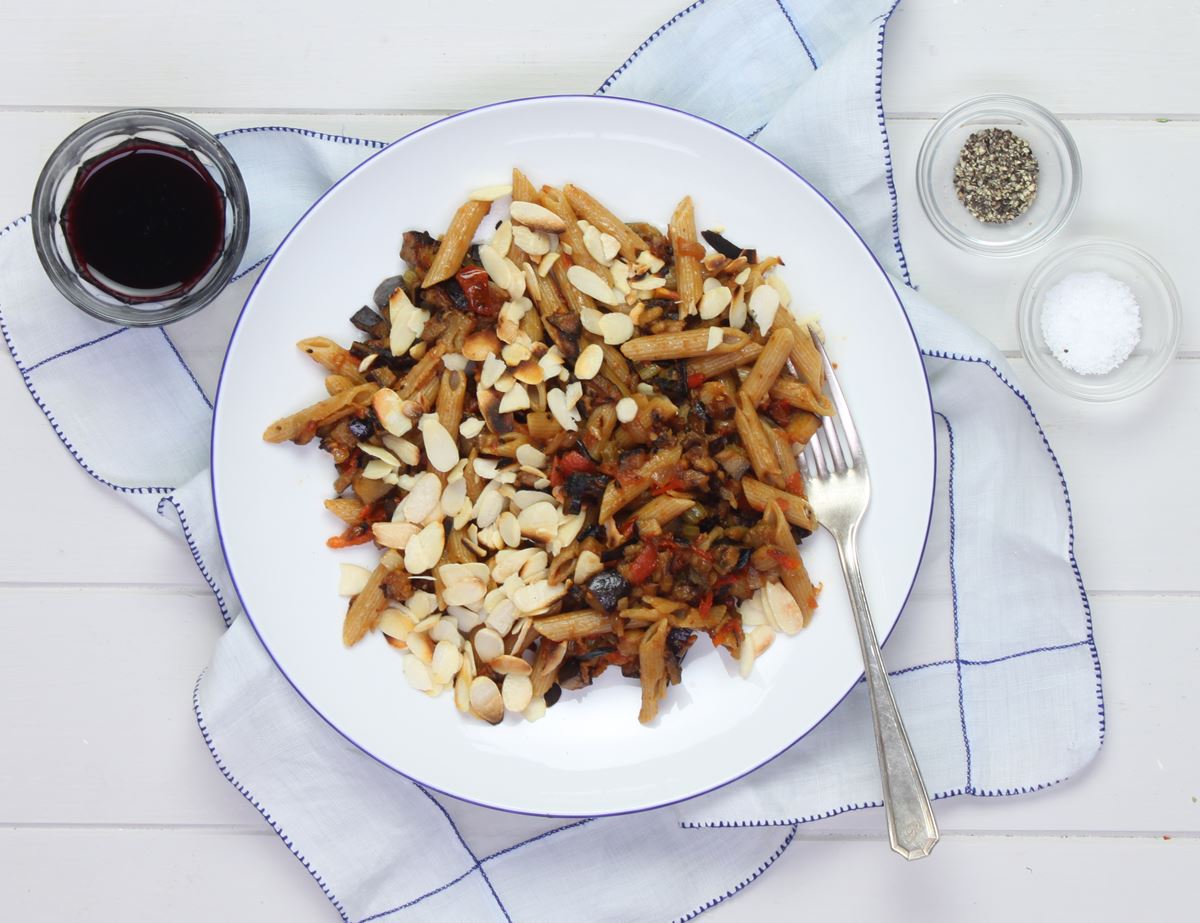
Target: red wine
[{"x": 144, "y": 221}]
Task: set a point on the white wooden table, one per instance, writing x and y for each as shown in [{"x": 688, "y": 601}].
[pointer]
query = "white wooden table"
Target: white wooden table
[{"x": 110, "y": 806}]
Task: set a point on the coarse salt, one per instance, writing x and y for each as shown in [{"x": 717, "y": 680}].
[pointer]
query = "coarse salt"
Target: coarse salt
[{"x": 1091, "y": 322}]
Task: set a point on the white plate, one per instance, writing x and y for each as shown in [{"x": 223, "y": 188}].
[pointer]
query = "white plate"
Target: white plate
[{"x": 588, "y": 755}]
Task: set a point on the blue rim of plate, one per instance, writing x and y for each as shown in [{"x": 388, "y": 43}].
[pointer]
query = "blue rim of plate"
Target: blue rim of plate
[{"x": 602, "y": 100}]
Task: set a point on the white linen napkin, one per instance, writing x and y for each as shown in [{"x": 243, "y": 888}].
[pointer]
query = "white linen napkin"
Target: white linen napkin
[{"x": 995, "y": 664}]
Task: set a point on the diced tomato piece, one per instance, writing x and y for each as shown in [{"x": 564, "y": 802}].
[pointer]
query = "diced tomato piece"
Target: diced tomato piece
[
  {"x": 786, "y": 561},
  {"x": 474, "y": 283},
  {"x": 706, "y": 604},
  {"x": 695, "y": 380},
  {"x": 643, "y": 565},
  {"x": 795, "y": 483}
]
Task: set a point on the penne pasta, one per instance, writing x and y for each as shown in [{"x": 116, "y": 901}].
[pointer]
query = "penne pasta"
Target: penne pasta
[
  {"x": 789, "y": 468},
  {"x": 572, "y": 237},
  {"x": 767, "y": 366},
  {"x": 686, "y": 344},
  {"x": 617, "y": 496},
  {"x": 588, "y": 208},
  {"x": 792, "y": 572},
  {"x": 801, "y": 396},
  {"x": 754, "y": 439},
  {"x": 805, "y": 358},
  {"x": 455, "y": 242},
  {"x": 796, "y": 509},
  {"x": 452, "y": 391},
  {"x": 689, "y": 281},
  {"x": 522, "y": 189},
  {"x": 576, "y": 300},
  {"x": 662, "y": 510},
  {"x": 572, "y": 626},
  {"x": 713, "y": 366},
  {"x": 333, "y": 357},
  {"x": 365, "y": 608},
  {"x": 336, "y": 384},
  {"x": 302, "y": 425},
  {"x": 423, "y": 372}
]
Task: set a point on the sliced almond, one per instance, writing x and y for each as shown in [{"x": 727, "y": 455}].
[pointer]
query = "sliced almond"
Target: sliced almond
[
  {"x": 422, "y": 604},
  {"x": 529, "y": 372},
  {"x": 516, "y": 398},
  {"x": 425, "y": 548},
  {"x": 648, "y": 261},
  {"x": 569, "y": 529},
  {"x": 591, "y": 284},
  {"x": 376, "y": 470},
  {"x": 526, "y": 498},
  {"x": 537, "y": 217},
  {"x": 496, "y": 266},
  {"x": 502, "y": 239},
  {"x": 594, "y": 245},
  {"x": 590, "y": 318},
  {"x": 715, "y": 336},
  {"x": 468, "y": 593},
  {"x": 394, "y": 534},
  {"x": 493, "y": 368},
  {"x": 589, "y": 362},
  {"x": 490, "y": 193},
  {"x": 446, "y": 630},
  {"x": 610, "y": 247},
  {"x": 588, "y": 564},
  {"x": 534, "y": 568},
  {"x": 714, "y": 301},
  {"x": 368, "y": 361},
  {"x": 531, "y": 455},
  {"x": 517, "y": 692},
  {"x": 485, "y": 699},
  {"x": 481, "y": 344},
  {"x": 546, "y": 263},
  {"x": 488, "y": 508},
  {"x": 500, "y": 619},
  {"x": 627, "y": 409},
  {"x": 467, "y": 619},
  {"x": 395, "y": 624},
  {"x": 556, "y": 401},
  {"x": 422, "y": 499},
  {"x": 453, "y": 497},
  {"x": 538, "y": 596},
  {"x": 470, "y": 427},
  {"x": 616, "y": 328},
  {"x": 400, "y": 310},
  {"x": 510, "y": 529},
  {"x": 379, "y": 452},
  {"x": 754, "y": 645},
  {"x": 446, "y": 662},
  {"x": 488, "y": 645},
  {"x": 737, "y": 310},
  {"x": 781, "y": 289},
  {"x": 419, "y": 644},
  {"x": 417, "y": 674},
  {"x": 388, "y": 408},
  {"x": 406, "y": 451},
  {"x": 646, "y": 283},
  {"x": 781, "y": 608},
  {"x": 512, "y": 666},
  {"x": 539, "y": 522},
  {"x": 352, "y": 578},
  {"x": 509, "y": 562},
  {"x": 485, "y": 467},
  {"x": 440, "y": 447},
  {"x": 535, "y": 243},
  {"x": 764, "y": 303},
  {"x": 535, "y": 710}
]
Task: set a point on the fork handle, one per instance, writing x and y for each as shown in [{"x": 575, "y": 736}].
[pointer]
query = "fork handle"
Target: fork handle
[{"x": 911, "y": 827}]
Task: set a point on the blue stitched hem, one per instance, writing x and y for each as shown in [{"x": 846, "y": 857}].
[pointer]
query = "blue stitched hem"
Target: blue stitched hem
[
  {"x": 791, "y": 22},
  {"x": 74, "y": 349},
  {"x": 709, "y": 905},
  {"x": 603, "y": 88},
  {"x": 887, "y": 146},
  {"x": 187, "y": 368},
  {"x": 197, "y": 556},
  {"x": 245, "y": 793}
]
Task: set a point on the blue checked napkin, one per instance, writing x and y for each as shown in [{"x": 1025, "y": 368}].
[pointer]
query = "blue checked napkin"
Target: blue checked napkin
[{"x": 996, "y": 667}]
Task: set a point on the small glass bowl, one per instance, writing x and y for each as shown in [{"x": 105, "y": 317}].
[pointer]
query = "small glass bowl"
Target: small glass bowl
[
  {"x": 103, "y": 134},
  {"x": 1060, "y": 175},
  {"x": 1160, "y": 309}
]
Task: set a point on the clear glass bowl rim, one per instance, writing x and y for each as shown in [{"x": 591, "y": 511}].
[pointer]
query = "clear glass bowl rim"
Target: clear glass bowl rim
[
  {"x": 1020, "y": 108},
  {"x": 45, "y": 218}
]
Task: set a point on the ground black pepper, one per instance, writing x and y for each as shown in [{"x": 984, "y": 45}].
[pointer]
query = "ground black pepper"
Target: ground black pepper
[{"x": 996, "y": 175}]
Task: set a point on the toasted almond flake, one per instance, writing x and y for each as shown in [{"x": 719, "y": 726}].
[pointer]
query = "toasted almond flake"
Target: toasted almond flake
[
  {"x": 496, "y": 266},
  {"x": 454, "y": 362},
  {"x": 591, "y": 284},
  {"x": 481, "y": 344},
  {"x": 427, "y": 623},
  {"x": 737, "y": 311},
  {"x": 395, "y": 624},
  {"x": 454, "y": 497},
  {"x": 422, "y": 604},
  {"x": 753, "y": 646},
  {"x": 510, "y": 529},
  {"x": 594, "y": 246},
  {"x": 568, "y": 530},
  {"x": 416, "y": 321},
  {"x": 376, "y": 470},
  {"x": 446, "y": 662},
  {"x": 378, "y": 452},
  {"x": 531, "y": 282},
  {"x": 589, "y": 362},
  {"x": 462, "y": 691},
  {"x": 764, "y": 303},
  {"x": 535, "y": 243},
  {"x": 509, "y": 665},
  {"x": 468, "y": 593},
  {"x": 516, "y": 398},
  {"x": 485, "y": 699},
  {"x": 627, "y": 409},
  {"x": 425, "y": 548},
  {"x": 714, "y": 301},
  {"x": 616, "y": 328},
  {"x": 781, "y": 608},
  {"x": 353, "y": 578},
  {"x": 394, "y": 534},
  {"x": 523, "y": 499},
  {"x": 500, "y": 619},
  {"x": 488, "y": 508},
  {"x": 515, "y": 353},
  {"x": 531, "y": 455},
  {"x": 610, "y": 245},
  {"x": 493, "y": 368},
  {"x": 646, "y": 283},
  {"x": 588, "y": 564},
  {"x": 455, "y": 573},
  {"x": 781, "y": 289},
  {"x": 422, "y": 498},
  {"x": 406, "y": 451},
  {"x": 485, "y": 467},
  {"x": 710, "y": 283},
  {"x": 488, "y": 644},
  {"x": 546, "y": 263},
  {"x": 535, "y": 710},
  {"x": 574, "y": 392},
  {"x": 742, "y": 277},
  {"x": 590, "y": 318},
  {"x": 715, "y": 336},
  {"x": 517, "y": 692},
  {"x": 537, "y": 217},
  {"x": 539, "y": 521},
  {"x": 418, "y": 350},
  {"x": 619, "y": 271},
  {"x": 419, "y": 644},
  {"x": 389, "y": 409},
  {"x": 401, "y": 336},
  {"x": 368, "y": 361},
  {"x": 446, "y": 630},
  {"x": 490, "y": 193},
  {"x": 417, "y": 674},
  {"x": 470, "y": 427},
  {"x": 440, "y": 447},
  {"x": 508, "y": 562},
  {"x": 647, "y": 260},
  {"x": 468, "y": 619},
  {"x": 535, "y": 566},
  {"x": 556, "y": 400},
  {"x": 537, "y": 597},
  {"x": 502, "y": 239}
]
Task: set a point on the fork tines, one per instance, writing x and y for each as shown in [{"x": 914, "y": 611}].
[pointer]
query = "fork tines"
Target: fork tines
[{"x": 827, "y": 453}]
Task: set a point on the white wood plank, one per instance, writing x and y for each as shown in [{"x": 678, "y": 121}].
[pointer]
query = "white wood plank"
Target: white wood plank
[
  {"x": 1138, "y": 180},
  {"x": 190, "y": 876},
  {"x": 460, "y": 53},
  {"x": 95, "y": 695}
]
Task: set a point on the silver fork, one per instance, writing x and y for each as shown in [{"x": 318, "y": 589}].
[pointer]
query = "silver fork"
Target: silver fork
[{"x": 838, "y": 489}]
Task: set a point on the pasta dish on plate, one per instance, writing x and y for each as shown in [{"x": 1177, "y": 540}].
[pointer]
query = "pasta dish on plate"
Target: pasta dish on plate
[{"x": 575, "y": 447}]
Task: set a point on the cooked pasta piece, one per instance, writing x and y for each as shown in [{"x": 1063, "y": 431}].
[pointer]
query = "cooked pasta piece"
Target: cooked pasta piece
[
  {"x": 456, "y": 241},
  {"x": 588, "y": 208},
  {"x": 689, "y": 281},
  {"x": 767, "y": 366},
  {"x": 302, "y": 425},
  {"x": 797, "y": 510},
  {"x": 684, "y": 344}
]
